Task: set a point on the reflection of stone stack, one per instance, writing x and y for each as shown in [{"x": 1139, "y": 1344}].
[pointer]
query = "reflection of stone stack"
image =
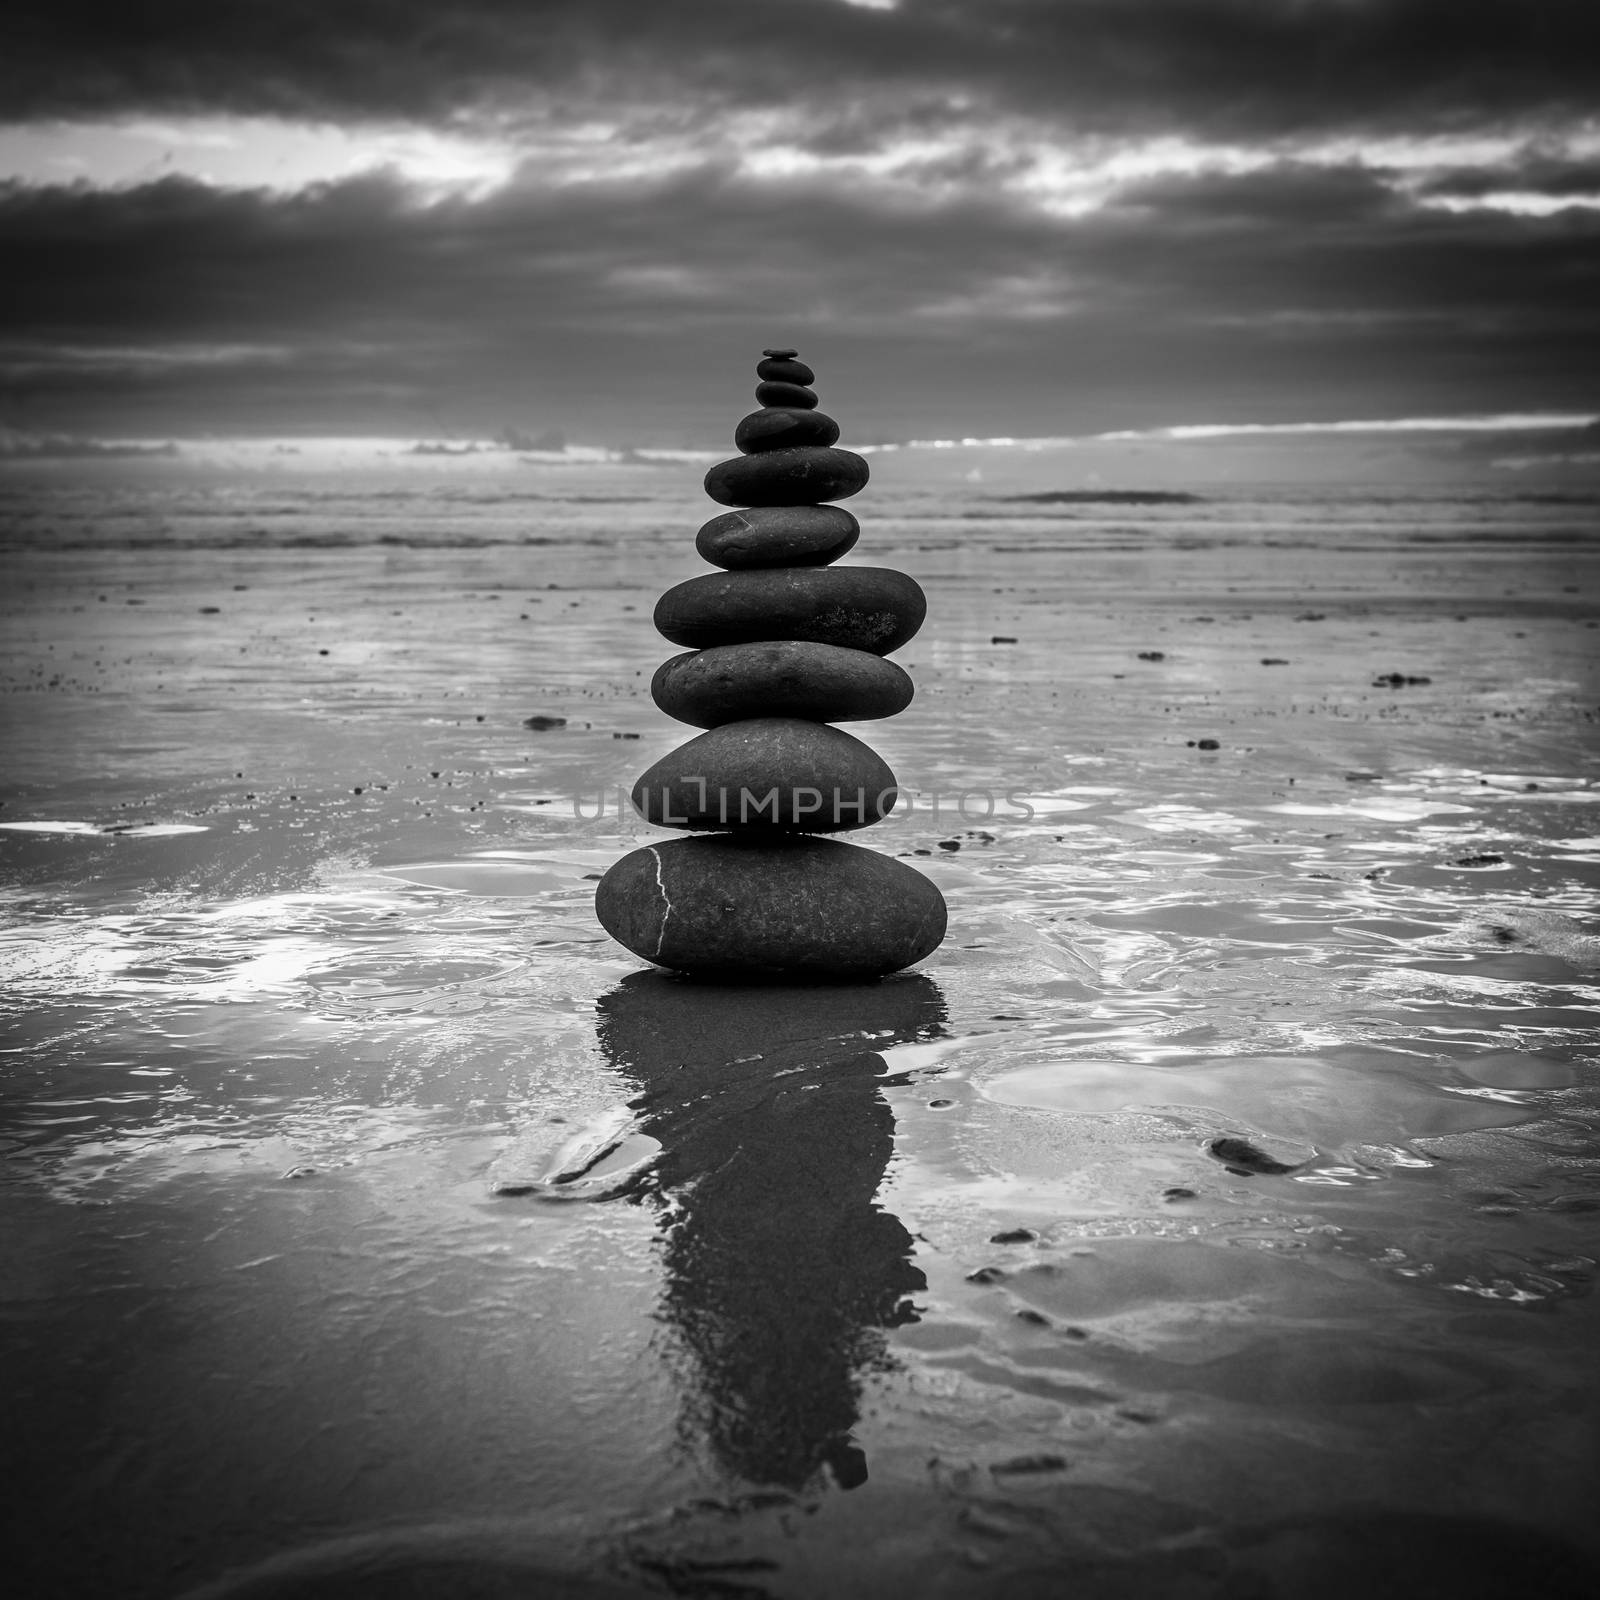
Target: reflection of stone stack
[{"x": 781, "y": 644}]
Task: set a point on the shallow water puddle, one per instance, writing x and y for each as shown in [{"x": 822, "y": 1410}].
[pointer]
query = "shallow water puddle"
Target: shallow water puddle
[
  {"x": 110, "y": 830},
  {"x": 483, "y": 877},
  {"x": 1381, "y": 1097}
]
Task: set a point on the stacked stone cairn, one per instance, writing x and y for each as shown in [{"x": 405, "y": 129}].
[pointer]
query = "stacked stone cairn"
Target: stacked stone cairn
[{"x": 781, "y": 644}]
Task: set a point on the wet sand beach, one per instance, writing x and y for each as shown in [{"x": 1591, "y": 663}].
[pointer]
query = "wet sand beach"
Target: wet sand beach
[{"x": 1216, "y": 1212}]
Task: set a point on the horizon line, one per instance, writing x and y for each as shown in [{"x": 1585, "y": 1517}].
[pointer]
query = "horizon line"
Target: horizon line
[{"x": 38, "y": 444}]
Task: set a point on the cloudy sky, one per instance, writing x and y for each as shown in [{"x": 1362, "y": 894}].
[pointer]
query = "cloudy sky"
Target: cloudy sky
[{"x": 979, "y": 217}]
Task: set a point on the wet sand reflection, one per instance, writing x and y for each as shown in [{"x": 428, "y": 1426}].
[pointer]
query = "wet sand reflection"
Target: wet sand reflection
[{"x": 782, "y": 1272}]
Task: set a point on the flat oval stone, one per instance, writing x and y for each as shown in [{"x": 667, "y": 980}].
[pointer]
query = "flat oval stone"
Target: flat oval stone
[
  {"x": 767, "y": 773},
  {"x": 782, "y": 427},
  {"x": 857, "y": 608},
  {"x": 779, "y": 678},
  {"x": 804, "y": 476},
  {"x": 786, "y": 394},
  {"x": 778, "y": 536},
  {"x": 787, "y": 906},
  {"x": 784, "y": 369}
]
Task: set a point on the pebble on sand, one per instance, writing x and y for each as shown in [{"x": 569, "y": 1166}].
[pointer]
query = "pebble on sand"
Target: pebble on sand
[
  {"x": 784, "y": 428},
  {"x": 766, "y": 773},
  {"x": 778, "y": 536},
  {"x": 788, "y": 906},
  {"x": 786, "y": 394},
  {"x": 780, "y": 678},
  {"x": 784, "y": 369},
  {"x": 805, "y": 475},
  {"x": 857, "y": 608}
]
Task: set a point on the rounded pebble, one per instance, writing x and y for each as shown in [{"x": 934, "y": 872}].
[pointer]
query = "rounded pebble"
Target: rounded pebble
[
  {"x": 778, "y": 536},
  {"x": 766, "y": 773},
  {"x": 786, "y": 394},
  {"x": 808, "y": 908},
  {"x": 784, "y": 369},
  {"x": 782, "y": 428},
  {"x": 805, "y": 476},
  {"x": 779, "y": 678},
  {"x": 857, "y": 608}
]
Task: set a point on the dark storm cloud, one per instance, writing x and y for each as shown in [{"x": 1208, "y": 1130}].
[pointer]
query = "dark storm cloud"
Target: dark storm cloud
[
  {"x": 1294, "y": 291},
  {"x": 1236, "y": 67},
  {"x": 1535, "y": 174}
]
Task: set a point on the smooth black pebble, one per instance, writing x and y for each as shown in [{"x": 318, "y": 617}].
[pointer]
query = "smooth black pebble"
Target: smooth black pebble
[
  {"x": 805, "y": 475},
  {"x": 784, "y": 369},
  {"x": 778, "y": 536},
  {"x": 857, "y": 608},
  {"x": 794, "y": 906},
  {"x": 1241, "y": 1157},
  {"x": 784, "y": 428},
  {"x": 786, "y": 394},
  {"x": 766, "y": 773},
  {"x": 780, "y": 678}
]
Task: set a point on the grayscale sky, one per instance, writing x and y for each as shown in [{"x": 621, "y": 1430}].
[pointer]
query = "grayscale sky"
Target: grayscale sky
[{"x": 975, "y": 217}]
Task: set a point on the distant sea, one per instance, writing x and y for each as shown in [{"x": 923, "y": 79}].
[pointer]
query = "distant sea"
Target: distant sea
[{"x": 1011, "y": 500}]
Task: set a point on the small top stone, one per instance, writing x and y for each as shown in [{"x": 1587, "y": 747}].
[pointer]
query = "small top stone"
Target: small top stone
[
  {"x": 780, "y": 354},
  {"x": 772, "y": 370}
]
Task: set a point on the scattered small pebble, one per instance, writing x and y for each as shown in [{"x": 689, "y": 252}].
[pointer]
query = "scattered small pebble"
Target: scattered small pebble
[
  {"x": 542, "y": 724},
  {"x": 1396, "y": 680},
  {"x": 1018, "y": 1465},
  {"x": 1242, "y": 1158}
]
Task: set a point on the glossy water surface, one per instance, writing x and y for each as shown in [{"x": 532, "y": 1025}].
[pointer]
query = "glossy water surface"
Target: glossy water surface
[{"x": 1216, "y": 1213}]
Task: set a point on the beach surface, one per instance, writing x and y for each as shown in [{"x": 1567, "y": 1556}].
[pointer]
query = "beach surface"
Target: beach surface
[{"x": 1216, "y": 1212}]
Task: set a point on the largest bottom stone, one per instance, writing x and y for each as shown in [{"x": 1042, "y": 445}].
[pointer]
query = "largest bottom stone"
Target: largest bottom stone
[{"x": 791, "y": 906}]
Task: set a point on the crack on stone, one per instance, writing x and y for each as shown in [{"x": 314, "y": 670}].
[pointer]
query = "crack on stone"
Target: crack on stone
[{"x": 666, "y": 901}]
